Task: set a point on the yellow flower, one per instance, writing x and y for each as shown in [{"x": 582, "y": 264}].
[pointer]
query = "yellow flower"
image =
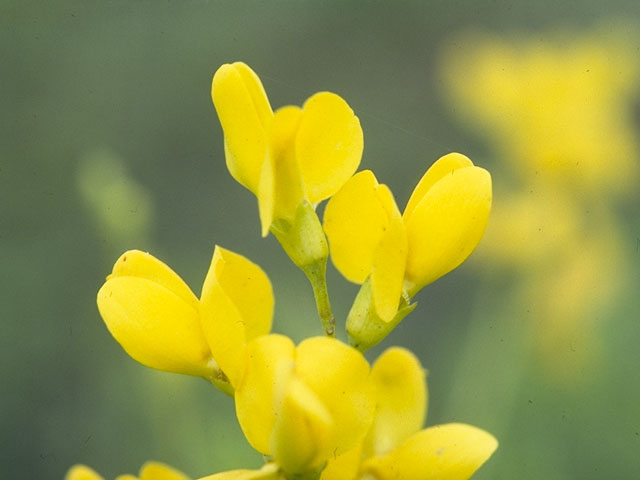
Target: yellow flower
[
  {"x": 269, "y": 471},
  {"x": 396, "y": 255},
  {"x": 149, "y": 471},
  {"x": 396, "y": 448},
  {"x": 159, "y": 471},
  {"x": 304, "y": 404},
  {"x": 82, "y": 472},
  {"x": 557, "y": 106},
  {"x": 159, "y": 322},
  {"x": 290, "y": 157}
]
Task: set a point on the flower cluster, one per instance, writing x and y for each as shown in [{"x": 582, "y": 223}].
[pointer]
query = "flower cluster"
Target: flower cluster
[
  {"x": 557, "y": 111},
  {"x": 316, "y": 410}
]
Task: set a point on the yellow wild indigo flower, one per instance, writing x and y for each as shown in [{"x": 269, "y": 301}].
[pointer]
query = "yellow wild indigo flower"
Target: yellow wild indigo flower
[
  {"x": 316, "y": 410},
  {"x": 396, "y": 448},
  {"x": 395, "y": 255},
  {"x": 304, "y": 404},
  {"x": 160, "y": 471},
  {"x": 149, "y": 471},
  {"x": 291, "y": 160},
  {"x": 289, "y": 157},
  {"x": 159, "y": 322}
]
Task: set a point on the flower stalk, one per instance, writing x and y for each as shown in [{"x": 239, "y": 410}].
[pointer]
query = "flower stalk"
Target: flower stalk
[
  {"x": 317, "y": 275},
  {"x": 305, "y": 243}
]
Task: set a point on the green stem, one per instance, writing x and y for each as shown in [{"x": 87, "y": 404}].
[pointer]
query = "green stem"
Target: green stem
[
  {"x": 317, "y": 275},
  {"x": 306, "y": 244}
]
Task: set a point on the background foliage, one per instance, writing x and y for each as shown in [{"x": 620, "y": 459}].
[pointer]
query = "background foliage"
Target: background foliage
[{"x": 109, "y": 141}]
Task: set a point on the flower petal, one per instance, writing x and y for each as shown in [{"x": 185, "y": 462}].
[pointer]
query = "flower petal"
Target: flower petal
[
  {"x": 289, "y": 191},
  {"x": 401, "y": 397},
  {"x": 270, "y": 361},
  {"x": 389, "y": 260},
  {"x": 135, "y": 263},
  {"x": 244, "y": 112},
  {"x": 266, "y": 195},
  {"x": 160, "y": 471},
  {"x": 155, "y": 326},
  {"x": 82, "y": 472},
  {"x": 446, "y": 452},
  {"x": 303, "y": 435},
  {"x": 268, "y": 472},
  {"x": 447, "y": 224},
  {"x": 441, "y": 167},
  {"x": 343, "y": 467},
  {"x": 355, "y": 220},
  {"x": 328, "y": 146},
  {"x": 339, "y": 376},
  {"x": 237, "y": 306}
]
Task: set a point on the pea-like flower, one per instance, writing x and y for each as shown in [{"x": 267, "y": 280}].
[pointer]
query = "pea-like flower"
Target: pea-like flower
[
  {"x": 149, "y": 471},
  {"x": 396, "y": 448},
  {"x": 304, "y": 404},
  {"x": 395, "y": 255},
  {"x": 159, "y": 321},
  {"x": 159, "y": 471},
  {"x": 289, "y": 157}
]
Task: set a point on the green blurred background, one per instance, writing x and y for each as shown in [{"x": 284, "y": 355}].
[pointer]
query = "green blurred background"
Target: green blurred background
[{"x": 109, "y": 142}]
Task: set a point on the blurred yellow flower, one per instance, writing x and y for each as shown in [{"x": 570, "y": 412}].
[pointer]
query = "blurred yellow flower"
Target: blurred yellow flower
[
  {"x": 556, "y": 106},
  {"x": 396, "y": 448},
  {"x": 121, "y": 207},
  {"x": 396, "y": 255},
  {"x": 158, "y": 320},
  {"x": 289, "y": 157},
  {"x": 558, "y": 112}
]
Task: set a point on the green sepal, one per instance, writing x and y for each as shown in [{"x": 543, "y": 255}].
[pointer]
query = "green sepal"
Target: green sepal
[
  {"x": 364, "y": 327},
  {"x": 303, "y": 240}
]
